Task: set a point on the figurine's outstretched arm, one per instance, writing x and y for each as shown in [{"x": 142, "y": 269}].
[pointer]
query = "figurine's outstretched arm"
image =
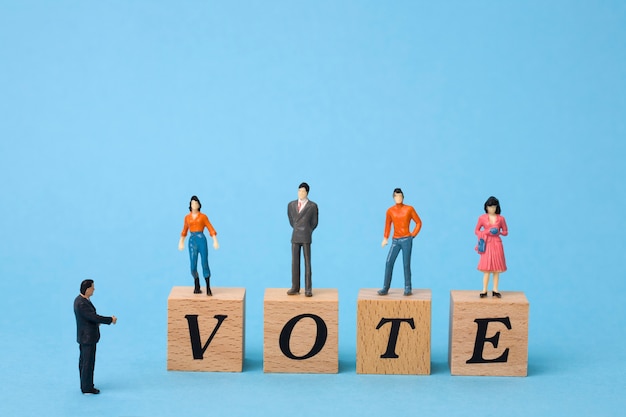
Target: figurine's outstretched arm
[{"x": 215, "y": 244}]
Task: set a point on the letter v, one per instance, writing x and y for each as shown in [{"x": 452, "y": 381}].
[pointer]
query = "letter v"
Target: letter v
[{"x": 194, "y": 334}]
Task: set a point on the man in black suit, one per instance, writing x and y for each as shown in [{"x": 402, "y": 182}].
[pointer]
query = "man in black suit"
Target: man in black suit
[
  {"x": 302, "y": 215},
  {"x": 88, "y": 334}
]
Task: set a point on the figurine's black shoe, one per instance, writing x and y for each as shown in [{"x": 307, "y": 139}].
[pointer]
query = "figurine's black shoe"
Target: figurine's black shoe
[
  {"x": 196, "y": 283},
  {"x": 92, "y": 391},
  {"x": 496, "y": 294},
  {"x": 308, "y": 293},
  {"x": 293, "y": 291},
  {"x": 208, "y": 286},
  {"x": 383, "y": 292},
  {"x": 408, "y": 292},
  {"x": 483, "y": 294}
]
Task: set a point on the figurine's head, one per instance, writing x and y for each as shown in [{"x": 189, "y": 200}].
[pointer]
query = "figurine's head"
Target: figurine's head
[
  {"x": 87, "y": 288},
  {"x": 398, "y": 196},
  {"x": 194, "y": 203},
  {"x": 303, "y": 191},
  {"x": 492, "y": 202}
]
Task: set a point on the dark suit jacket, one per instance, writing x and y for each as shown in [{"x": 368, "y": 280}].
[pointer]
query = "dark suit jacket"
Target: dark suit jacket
[
  {"x": 303, "y": 223},
  {"x": 88, "y": 321}
]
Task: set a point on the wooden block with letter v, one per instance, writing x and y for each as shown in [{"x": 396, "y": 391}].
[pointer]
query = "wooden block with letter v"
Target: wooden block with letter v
[
  {"x": 488, "y": 336},
  {"x": 393, "y": 332},
  {"x": 205, "y": 333},
  {"x": 301, "y": 333}
]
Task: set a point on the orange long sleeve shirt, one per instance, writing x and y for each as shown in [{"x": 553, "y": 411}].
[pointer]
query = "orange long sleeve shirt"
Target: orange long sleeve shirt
[
  {"x": 401, "y": 215},
  {"x": 198, "y": 224}
]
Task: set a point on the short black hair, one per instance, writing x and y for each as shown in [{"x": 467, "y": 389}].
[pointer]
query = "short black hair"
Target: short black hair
[
  {"x": 492, "y": 201},
  {"x": 305, "y": 186},
  {"x": 85, "y": 285},
  {"x": 398, "y": 191},
  {"x": 194, "y": 198}
]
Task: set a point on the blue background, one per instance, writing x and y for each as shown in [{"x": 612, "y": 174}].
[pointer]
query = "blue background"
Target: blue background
[{"x": 112, "y": 114}]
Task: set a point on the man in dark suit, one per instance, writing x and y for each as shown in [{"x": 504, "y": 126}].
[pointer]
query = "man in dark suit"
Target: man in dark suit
[
  {"x": 88, "y": 334},
  {"x": 302, "y": 215}
]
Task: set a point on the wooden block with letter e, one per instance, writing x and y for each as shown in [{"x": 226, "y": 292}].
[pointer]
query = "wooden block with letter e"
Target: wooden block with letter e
[
  {"x": 488, "y": 336},
  {"x": 393, "y": 332},
  {"x": 301, "y": 333},
  {"x": 205, "y": 333}
]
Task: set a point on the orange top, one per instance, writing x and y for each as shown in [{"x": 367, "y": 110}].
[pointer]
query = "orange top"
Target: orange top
[
  {"x": 401, "y": 215},
  {"x": 198, "y": 224}
]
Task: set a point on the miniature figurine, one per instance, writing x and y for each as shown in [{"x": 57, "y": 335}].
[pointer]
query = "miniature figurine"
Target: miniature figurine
[
  {"x": 195, "y": 222},
  {"x": 489, "y": 228},
  {"x": 302, "y": 215},
  {"x": 88, "y": 334},
  {"x": 400, "y": 215}
]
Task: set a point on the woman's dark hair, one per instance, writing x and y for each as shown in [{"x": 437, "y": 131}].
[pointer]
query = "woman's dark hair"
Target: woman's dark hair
[
  {"x": 398, "y": 191},
  {"x": 492, "y": 201},
  {"x": 84, "y": 285},
  {"x": 194, "y": 198}
]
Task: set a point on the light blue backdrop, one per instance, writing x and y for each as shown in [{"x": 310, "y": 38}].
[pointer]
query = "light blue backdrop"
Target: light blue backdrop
[{"x": 112, "y": 114}]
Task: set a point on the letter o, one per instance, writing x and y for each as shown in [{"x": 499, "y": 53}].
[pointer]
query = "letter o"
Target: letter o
[{"x": 320, "y": 337}]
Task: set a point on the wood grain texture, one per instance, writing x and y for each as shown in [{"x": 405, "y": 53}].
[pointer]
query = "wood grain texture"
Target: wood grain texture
[
  {"x": 279, "y": 309},
  {"x": 412, "y": 345},
  {"x": 465, "y": 308},
  {"x": 226, "y": 351}
]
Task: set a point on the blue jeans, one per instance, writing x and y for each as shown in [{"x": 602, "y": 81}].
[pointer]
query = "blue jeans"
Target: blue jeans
[
  {"x": 406, "y": 245},
  {"x": 198, "y": 245}
]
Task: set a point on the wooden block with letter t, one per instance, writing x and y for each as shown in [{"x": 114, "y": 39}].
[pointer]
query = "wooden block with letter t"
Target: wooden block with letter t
[
  {"x": 301, "y": 333},
  {"x": 488, "y": 336},
  {"x": 393, "y": 332},
  {"x": 205, "y": 333}
]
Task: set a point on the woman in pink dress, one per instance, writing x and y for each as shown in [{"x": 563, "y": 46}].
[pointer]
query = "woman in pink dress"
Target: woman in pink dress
[{"x": 490, "y": 227}]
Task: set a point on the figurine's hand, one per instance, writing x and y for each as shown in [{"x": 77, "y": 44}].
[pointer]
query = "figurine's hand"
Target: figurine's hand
[
  {"x": 216, "y": 245},
  {"x": 114, "y": 319},
  {"x": 493, "y": 231},
  {"x": 384, "y": 242},
  {"x": 181, "y": 246}
]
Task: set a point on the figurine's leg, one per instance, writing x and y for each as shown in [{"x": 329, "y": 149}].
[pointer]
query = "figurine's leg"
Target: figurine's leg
[
  {"x": 295, "y": 269},
  {"x": 496, "y": 278},
  {"x": 407, "y": 246},
  {"x": 308, "y": 286},
  {"x": 391, "y": 259},
  {"x": 86, "y": 366},
  {"x": 204, "y": 256},
  {"x": 485, "y": 284},
  {"x": 193, "y": 262}
]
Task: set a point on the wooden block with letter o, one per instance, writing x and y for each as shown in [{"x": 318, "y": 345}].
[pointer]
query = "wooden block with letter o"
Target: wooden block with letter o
[
  {"x": 488, "y": 336},
  {"x": 301, "y": 333},
  {"x": 393, "y": 332},
  {"x": 205, "y": 333}
]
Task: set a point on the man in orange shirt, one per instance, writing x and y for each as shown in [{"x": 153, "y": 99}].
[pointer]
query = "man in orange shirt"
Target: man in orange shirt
[{"x": 400, "y": 215}]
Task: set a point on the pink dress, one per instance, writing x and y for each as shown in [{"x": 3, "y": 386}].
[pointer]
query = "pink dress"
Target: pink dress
[{"x": 493, "y": 258}]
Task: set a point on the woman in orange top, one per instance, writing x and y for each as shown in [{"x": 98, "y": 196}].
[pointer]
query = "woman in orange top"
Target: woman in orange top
[{"x": 195, "y": 222}]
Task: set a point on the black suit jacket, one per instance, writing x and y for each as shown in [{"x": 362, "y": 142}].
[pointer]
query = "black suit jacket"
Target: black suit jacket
[
  {"x": 88, "y": 321},
  {"x": 303, "y": 223}
]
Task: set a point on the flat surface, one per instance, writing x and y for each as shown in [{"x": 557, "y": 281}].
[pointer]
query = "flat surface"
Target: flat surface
[
  {"x": 114, "y": 113},
  {"x": 319, "y": 294},
  {"x": 371, "y": 294},
  {"x": 219, "y": 293},
  {"x": 508, "y": 297}
]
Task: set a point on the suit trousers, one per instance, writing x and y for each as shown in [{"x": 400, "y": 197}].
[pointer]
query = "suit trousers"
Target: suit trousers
[
  {"x": 295, "y": 266},
  {"x": 86, "y": 364}
]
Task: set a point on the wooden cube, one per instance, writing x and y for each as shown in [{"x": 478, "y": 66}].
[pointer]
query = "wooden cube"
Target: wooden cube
[
  {"x": 488, "y": 336},
  {"x": 205, "y": 333},
  {"x": 301, "y": 333},
  {"x": 393, "y": 332}
]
